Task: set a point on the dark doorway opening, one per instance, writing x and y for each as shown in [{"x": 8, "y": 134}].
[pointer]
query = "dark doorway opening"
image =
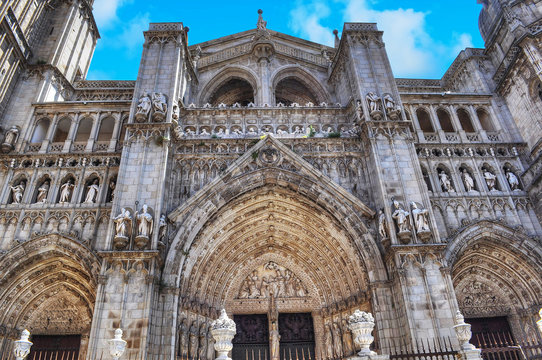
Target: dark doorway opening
[
  {"x": 252, "y": 338},
  {"x": 51, "y": 347},
  {"x": 296, "y": 336}
]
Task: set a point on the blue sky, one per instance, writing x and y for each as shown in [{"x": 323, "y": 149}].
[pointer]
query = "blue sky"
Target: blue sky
[{"x": 422, "y": 37}]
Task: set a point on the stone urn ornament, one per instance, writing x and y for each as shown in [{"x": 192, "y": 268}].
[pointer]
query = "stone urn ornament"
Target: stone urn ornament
[
  {"x": 539, "y": 322},
  {"x": 362, "y": 324},
  {"x": 21, "y": 348},
  {"x": 223, "y": 330},
  {"x": 463, "y": 332},
  {"x": 117, "y": 345}
]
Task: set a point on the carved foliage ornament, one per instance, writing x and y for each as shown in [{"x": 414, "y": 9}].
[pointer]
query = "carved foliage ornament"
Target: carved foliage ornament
[{"x": 271, "y": 279}]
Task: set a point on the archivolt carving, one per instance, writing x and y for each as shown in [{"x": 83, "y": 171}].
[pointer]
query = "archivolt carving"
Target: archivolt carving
[{"x": 271, "y": 279}]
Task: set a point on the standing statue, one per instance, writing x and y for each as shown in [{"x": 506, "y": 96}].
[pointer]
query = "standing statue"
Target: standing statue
[
  {"x": 373, "y": 102},
  {"x": 66, "y": 191},
  {"x": 162, "y": 230},
  {"x": 348, "y": 345},
  {"x": 328, "y": 343},
  {"x": 202, "y": 349},
  {"x": 253, "y": 285},
  {"x": 122, "y": 223},
  {"x": 337, "y": 341},
  {"x": 43, "y": 190},
  {"x": 491, "y": 179},
  {"x": 183, "y": 338},
  {"x": 9, "y": 140},
  {"x": 392, "y": 110},
  {"x": 468, "y": 181},
  {"x": 144, "y": 222},
  {"x": 211, "y": 353},
  {"x": 274, "y": 342},
  {"x": 112, "y": 186},
  {"x": 401, "y": 218},
  {"x": 513, "y": 180},
  {"x": 92, "y": 192},
  {"x": 17, "y": 192},
  {"x": 193, "y": 341},
  {"x": 382, "y": 225},
  {"x": 421, "y": 218},
  {"x": 445, "y": 182}
]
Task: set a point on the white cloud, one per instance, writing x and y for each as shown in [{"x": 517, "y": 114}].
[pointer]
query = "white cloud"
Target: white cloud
[
  {"x": 130, "y": 36},
  {"x": 411, "y": 49},
  {"x": 305, "y": 19},
  {"x": 105, "y": 11}
]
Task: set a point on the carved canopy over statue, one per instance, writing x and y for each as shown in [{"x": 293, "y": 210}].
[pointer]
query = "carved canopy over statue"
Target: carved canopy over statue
[{"x": 271, "y": 279}]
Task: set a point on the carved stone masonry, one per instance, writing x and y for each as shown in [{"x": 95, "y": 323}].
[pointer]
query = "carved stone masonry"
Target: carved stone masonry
[{"x": 271, "y": 279}]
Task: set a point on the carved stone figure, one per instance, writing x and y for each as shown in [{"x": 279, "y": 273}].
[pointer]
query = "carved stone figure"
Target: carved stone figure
[
  {"x": 193, "y": 341},
  {"x": 183, "y": 338},
  {"x": 274, "y": 342},
  {"x": 328, "y": 343},
  {"x": 421, "y": 221},
  {"x": 112, "y": 186},
  {"x": 337, "y": 341},
  {"x": 143, "y": 108},
  {"x": 297, "y": 130},
  {"x": 468, "y": 181},
  {"x": 211, "y": 354},
  {"x": 374, "y": 106},
  {"x": 382, "y": 225},
  {"x": 179, "y": 133},
  {"x": 175, "y": 112},
  {"x": 43, "y": 190},
  {"x": 92, "y": 192},
  {"x": 144, "y": 226},
  {"x": 66, "y": 191},
  {"x": 348, "y": 344},
  {"x": 202, "y": 348},
  {"x": 159, "y": 103},
  {"x": 491, "y": 180},
  {"x": 261, "y": 24},
  {"x": 445, "y": 182},
  {"x": 513, "y": 180},
  {"x": 122, "y": 223},
  {"x": 163, "y": 227},
  {"x": 271, "y": 279},
  {"x": 17, "y": 192},
  {"x": 204, "y": 132},
  {"x": 10, "y": 139},
  {"x": 392, "y": 110},
  {"x": 359, "y": 110},
  {"x": 401, "y": 217}
]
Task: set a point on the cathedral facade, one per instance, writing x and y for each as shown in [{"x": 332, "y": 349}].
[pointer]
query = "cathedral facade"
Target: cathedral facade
[{"x": 285, "y": 181}]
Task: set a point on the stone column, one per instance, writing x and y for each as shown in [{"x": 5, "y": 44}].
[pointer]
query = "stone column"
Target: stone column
[{"x": 71, "y": 133}]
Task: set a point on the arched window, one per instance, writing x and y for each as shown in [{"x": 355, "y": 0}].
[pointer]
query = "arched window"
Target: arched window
[
  {"x": 40, "y": 131},
  {"x": 465, "y": 120},
  {"x": 106, "y": 129},
  {"x": 83, "y": 131},
  {"x": 485, "y": 120},
  {"x": 290, "y": 90},
  {"x": 445, "y": 121},
  {"x": 233, "y": 91},
  {"x": 424, "y": 120},
  {"x": 62, "y": 129}
]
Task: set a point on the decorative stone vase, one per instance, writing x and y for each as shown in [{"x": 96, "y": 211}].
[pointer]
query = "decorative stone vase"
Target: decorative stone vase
[
  {"x": 463, "y": 332},
  {"x": 117, "y": 345},
  {"x": 22, "y": 346},
  {"x": 362, "y": 324},
  {"x": 539, "y": 322},
  {"x": 223, "y": 330}
]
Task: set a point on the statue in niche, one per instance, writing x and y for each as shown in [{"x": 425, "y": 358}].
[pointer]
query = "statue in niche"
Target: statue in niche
[
  {"x": 17, "y": 192},
  {"x": 337, "y": 341},
  {"x": 359, "y": 109},
  {"x": 92, "y": 192},
  {"x": 183, "y": 338},
  {"x": 202, "y": 349},
  {"x": 175, "y": 112},
  {"x": 274, "y": 342},
  {"x": 66, "y": 191},
  {"x": 491, "y": 179},
  {"x": 143, "y": 108},
  {"x": 513, "y": 180},
  {"x": 382, "y": 225},
  {"x": 210, "y": 345},
  {"x": 193, "y": 341},
  {"x": 112, "y": 186},
  {"x": 159, "y": 102},
  {"x": 421, "y": 221},
  {"x": 402, "y": 219},
  {"x": 162, "y": 230},
  {"x": 392, "y": 110},
  {"x": 348, "y": 346},
  {"x": 43, "y": 190},
  {"x": 468, "y": 181},
  {"x": 10, "y": 139},
  {"x": 445, "y": 182},
  {"x": 328, "y": 343}
]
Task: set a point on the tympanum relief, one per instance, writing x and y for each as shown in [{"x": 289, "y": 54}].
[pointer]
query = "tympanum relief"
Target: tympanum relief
[{"x": 272, "y": 279}]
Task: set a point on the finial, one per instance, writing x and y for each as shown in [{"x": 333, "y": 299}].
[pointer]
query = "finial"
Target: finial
[
  {"x": 337, "y": 40},
  {"x": 260, "y": 11}
]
